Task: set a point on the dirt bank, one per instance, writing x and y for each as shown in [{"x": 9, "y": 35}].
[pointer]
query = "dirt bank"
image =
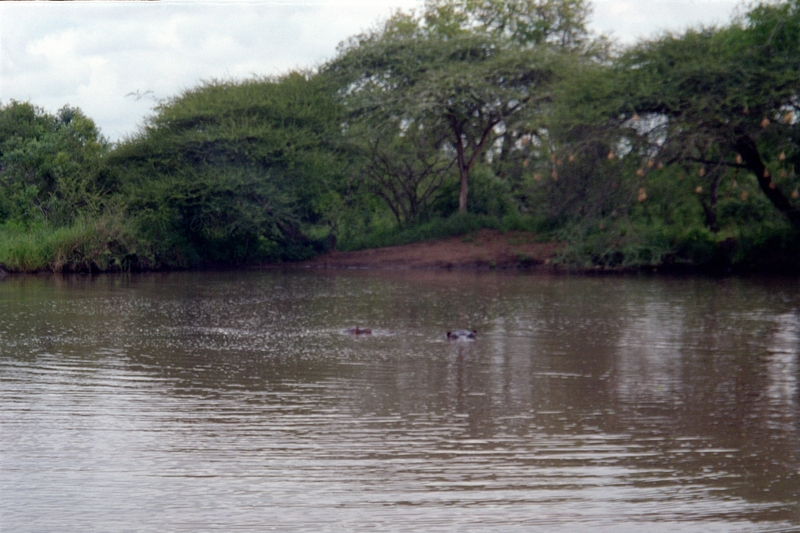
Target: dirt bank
[{"x": 484, "y": 249}]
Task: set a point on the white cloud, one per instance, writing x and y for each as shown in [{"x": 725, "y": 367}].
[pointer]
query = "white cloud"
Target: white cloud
[
  {"x": 93, "y": 54},
  {"x": 630, "y": 20}
]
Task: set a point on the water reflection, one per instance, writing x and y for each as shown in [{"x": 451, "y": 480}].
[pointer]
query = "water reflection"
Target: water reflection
[{"x": 234, "y": 401}]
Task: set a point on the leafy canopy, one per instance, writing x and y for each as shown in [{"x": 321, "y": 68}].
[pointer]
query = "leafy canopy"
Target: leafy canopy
[
  {"x": 473, "y": 69},
  {"x": 719, "y": 98},
  {"x": 234, "y": 170},
  {"x": 49, "y": 164}
]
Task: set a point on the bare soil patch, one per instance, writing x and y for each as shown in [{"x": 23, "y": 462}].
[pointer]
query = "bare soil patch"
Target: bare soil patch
[{"x": 484, "y": 249}]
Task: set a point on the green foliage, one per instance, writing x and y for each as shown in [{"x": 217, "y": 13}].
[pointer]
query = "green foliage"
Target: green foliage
[
  {"x": 680, "y": 151},
  {"x": 701, "y": 132},
  {"x": 216, "y": 215},
  {"x": 491, "y": 196},
  {"x": 49, "y": 165},
  {"x": 768, "y": 248},
  {"x": 437, "y": 73},
  {"x": 405, "y": 165},
  {"x": 626, "y": 244},
  {"x": 523, "y": 22},
  {"x": 716, "y": 99},
  {"x": 235, "y": 171},
  {"x": 106, "y": 244},
  {"x": 57, "y": 209},
  {"x": 455, "y": 225}
]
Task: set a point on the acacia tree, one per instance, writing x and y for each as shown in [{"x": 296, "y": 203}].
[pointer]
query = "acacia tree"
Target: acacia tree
[
  {"x": 406, "y": 166},
  {"x": 524, "y": 22},
  {"x": 234, "y": 171},
  {"x": 455, "y": 69},
  {"x": 714, "y": 98}
]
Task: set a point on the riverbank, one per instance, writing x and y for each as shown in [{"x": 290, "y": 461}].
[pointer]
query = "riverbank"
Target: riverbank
[{"x": 481, "y": 250}]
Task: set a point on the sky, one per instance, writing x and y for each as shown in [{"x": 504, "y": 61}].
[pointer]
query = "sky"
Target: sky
[{"x": 116, "y": 59}]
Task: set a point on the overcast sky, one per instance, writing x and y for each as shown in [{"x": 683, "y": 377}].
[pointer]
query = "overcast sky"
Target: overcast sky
[{"x": 98, "y": 55}]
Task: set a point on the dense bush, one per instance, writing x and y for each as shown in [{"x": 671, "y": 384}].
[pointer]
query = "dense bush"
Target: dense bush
[{"x": 235, "y": 172}]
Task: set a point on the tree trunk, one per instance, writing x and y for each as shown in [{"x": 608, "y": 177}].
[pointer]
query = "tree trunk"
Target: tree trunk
[
  {"x": 462, "y": 195},
  {"x": 463, "y": 167},
  {"x": 710, "y": 208}
]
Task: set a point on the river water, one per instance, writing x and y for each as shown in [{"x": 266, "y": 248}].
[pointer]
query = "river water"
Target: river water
[{"x": 236, "y": 401}]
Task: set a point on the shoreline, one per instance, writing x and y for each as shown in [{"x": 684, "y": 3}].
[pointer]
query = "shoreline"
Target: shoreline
[{"x": 484, "y": 249}]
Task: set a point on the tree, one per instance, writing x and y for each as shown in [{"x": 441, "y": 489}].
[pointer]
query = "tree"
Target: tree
[
  {"x": 525, "y": 22},
  {"x": 234, "y": 171},
  {"x": 474, "y": 69},
  {"x": 719, "y": 98},
  {"x": 49, "y": 164},
  {"x": 406, "y": 166}
]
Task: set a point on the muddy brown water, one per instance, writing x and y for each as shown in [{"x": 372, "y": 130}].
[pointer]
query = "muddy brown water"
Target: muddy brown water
[{"x": 236, "y": 402}]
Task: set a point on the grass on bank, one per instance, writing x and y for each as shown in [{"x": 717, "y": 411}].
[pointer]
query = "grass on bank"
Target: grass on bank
[
  {"x": 106, "y": 244},
  {"x": 766, "y": 247},
  {"x": 442, "y": 228},
  {"x": 112, "y": 243}
]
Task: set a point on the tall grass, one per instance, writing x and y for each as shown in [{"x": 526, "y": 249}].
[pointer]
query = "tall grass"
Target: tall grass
[{"x": 105, "y": 244}]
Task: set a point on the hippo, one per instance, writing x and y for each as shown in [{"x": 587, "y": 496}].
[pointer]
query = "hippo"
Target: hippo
[
  {"x": 462, "y": 334},
  {"x": 359, "y": 331}
]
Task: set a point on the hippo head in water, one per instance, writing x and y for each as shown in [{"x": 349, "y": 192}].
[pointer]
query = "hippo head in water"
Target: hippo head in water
[
  {"x": 462, "y": 334},
  {"x": 359, "y": 331}
]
